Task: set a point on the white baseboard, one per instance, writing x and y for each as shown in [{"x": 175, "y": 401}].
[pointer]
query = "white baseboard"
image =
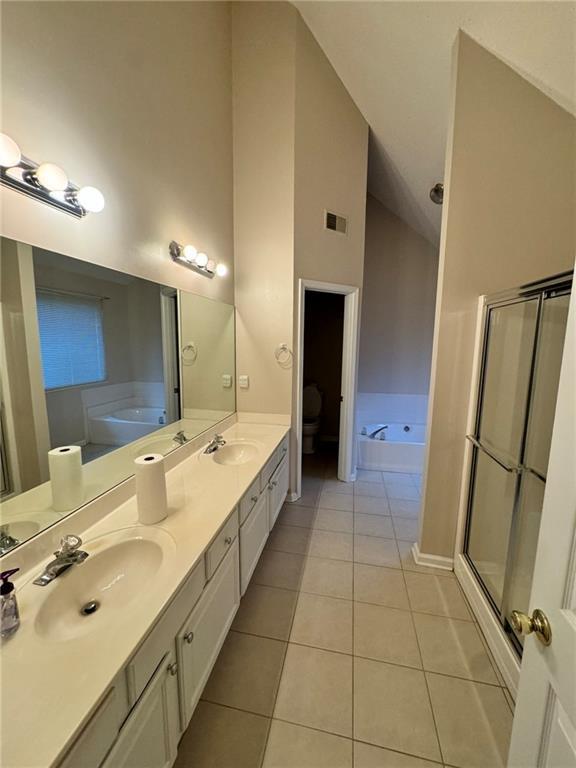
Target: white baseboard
[
  {"x": 432, "y": 561},
  {"x": 292, "y": 496},
  {"x": 504, "y": 655}
]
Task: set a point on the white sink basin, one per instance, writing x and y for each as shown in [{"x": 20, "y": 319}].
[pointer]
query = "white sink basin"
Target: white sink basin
[
  {"x": 117, "y": 575},
  {"x": 235, "y": 452}
]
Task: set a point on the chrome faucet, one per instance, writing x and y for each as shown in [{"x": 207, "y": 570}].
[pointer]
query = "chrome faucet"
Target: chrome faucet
[
  {"x": 180, "y": 438},
  {"x": 69, "y": 554},
  {"x": 7, "y": 542},
  {"x": 372, "y": 435},
  {"x": 216, "y": 442}
]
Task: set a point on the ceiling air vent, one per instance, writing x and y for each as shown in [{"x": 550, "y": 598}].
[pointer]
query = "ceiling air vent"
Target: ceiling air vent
[{"x": 336, "y": 223}]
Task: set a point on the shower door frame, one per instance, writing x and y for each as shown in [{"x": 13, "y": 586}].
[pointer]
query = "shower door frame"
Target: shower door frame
[{"x": 492, "y": 619}]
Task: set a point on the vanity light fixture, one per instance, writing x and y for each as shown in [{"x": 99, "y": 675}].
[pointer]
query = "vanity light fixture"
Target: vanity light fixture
[
  {"x": 46, "y": 182},
  {"x": 189, "y": 257}
]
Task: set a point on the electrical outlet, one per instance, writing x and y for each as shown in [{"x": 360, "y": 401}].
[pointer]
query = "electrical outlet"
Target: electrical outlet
[
  {"x": 244, "y": 381},
  {"x": 226, "y": 380}
]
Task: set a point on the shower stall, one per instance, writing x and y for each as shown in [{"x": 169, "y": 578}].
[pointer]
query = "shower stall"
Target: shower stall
[{"x": 523, "y": 340}]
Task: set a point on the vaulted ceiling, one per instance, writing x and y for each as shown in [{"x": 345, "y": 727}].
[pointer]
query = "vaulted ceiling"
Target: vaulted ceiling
[{"x": 395, "y": 60}]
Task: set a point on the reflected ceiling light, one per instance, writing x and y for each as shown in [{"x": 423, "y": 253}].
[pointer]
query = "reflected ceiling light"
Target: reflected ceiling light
[
  {"x": 198, "y": 261},
  {"x": 9, "y": 151},
  {"x": 51, "y": 177},
  {"x": 221, "y": 270},
  {"x": 45, "y": 182}
]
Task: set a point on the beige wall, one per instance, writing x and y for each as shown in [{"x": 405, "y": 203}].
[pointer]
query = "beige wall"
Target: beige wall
[
  {"x": 263, "y": 50},
  {"x": 508, "y": 220},
  {"x": 134, "y": 98},
  {"x": 399, "y": 295},
  {"x": 295, "y": 154},
  {"x": 209, "y": 325}
]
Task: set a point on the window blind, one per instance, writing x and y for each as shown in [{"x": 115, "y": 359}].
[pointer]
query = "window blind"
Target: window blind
[{"x": 71, "y": 339}]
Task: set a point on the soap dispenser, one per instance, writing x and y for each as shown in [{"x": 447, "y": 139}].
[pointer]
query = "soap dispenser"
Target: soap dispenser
[{"x": 9, "y": 615}]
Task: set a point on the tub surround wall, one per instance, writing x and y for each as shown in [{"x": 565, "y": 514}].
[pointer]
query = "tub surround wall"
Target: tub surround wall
[
  {"x": 507, "y": 139},
  {"x": 376, "y": 407}
]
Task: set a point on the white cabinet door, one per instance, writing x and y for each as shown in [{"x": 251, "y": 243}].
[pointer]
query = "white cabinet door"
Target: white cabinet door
[
  {"x": 200, "y": 639},
  {"x": 253, "y": 535},
  {"x": 277, "y": 490},
  {"x": 544, "y": 732},
  {"x": 149, "y": 737}
]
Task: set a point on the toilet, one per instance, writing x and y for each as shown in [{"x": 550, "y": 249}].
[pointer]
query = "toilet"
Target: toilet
[{"x": 311, "y": 408}]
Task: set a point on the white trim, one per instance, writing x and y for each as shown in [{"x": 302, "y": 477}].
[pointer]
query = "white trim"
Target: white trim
[
  {"x": 470, "y": 426},
  {"x": 292, "y": 497},
  {"x": 351, "y": 293},
  {"x": 170, "y": 364},
  {"x": 500, "y": 646},
  {"x": 432, "y": 561}
]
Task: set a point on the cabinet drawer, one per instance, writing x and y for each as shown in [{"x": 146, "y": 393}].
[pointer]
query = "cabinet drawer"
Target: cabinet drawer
[
  {"x": 283, "y": 448},
  {"x": 278, "y": 490},
  {"x": 253, "y": 535},
  {"x": 146, "y": 659},
  {"x": 221, "y": 544},
  {"x": 268, "y": 470},
  {"x": 249, "y": 499},
  {"x": 90, "y": 748},
  {"x": 200, "y": 639}
]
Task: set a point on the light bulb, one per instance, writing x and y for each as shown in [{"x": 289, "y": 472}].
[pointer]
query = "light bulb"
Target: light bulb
[
  {"x": 51, "y": 177},
  {"x": 9, "y": 151},
  {"x": 201, "y": 259},
  {"x": 189, "y": 252},
  {"x": 221, "y": 270},
  {"x": 91, "y": 199}
]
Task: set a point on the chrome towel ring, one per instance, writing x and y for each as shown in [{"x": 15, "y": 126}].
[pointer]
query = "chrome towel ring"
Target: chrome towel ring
[{"x": 283, "y": 355}]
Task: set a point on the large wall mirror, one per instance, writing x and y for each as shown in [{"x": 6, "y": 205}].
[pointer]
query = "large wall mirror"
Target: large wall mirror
[{"x": 103, "y": 366}]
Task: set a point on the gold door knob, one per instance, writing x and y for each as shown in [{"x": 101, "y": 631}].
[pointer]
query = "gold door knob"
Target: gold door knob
[{"x": 537, "y": 623}]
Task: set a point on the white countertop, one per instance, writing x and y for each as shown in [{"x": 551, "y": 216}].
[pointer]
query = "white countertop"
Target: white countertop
[{"x": 51, "y": 687}]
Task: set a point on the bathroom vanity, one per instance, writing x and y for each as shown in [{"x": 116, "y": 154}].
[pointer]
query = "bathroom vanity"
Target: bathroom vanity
[{"x": 118, "y": 687}]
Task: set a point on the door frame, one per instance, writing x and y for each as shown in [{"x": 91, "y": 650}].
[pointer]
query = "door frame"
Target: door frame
[
  {"x": 170, "y": 356},
  {"x": 346, "y": 453}
]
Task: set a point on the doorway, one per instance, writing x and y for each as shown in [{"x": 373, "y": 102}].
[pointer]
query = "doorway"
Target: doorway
[{"x": 327, "y": 357}]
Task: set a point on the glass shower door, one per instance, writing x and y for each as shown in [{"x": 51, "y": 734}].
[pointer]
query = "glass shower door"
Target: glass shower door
[
  {"x": 522, "y": 354},
  {"x": 510, "y": 336}
]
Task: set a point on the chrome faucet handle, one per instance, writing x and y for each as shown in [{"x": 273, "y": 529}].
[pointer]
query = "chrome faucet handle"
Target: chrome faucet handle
[{"x": 69, "y": 544}]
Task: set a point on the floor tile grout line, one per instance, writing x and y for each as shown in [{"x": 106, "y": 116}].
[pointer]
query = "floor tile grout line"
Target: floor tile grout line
[{"x": 425, "y": 678}]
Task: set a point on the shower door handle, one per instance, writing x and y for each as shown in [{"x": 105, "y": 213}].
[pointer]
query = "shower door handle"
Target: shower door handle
[{"x": 477, "y": 444}]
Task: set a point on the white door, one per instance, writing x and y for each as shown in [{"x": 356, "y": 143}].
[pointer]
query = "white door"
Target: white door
[{"x": 544, "y": 732}]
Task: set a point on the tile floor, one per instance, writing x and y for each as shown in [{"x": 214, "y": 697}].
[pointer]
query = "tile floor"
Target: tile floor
[{"x": 345, "y": 652}]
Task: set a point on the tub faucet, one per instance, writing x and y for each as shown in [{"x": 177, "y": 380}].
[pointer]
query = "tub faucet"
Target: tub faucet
[
  {"x": 214, "y": 444},
  {"x": 372, "y": 435},
  {"x": 69, "y": 554},
  {"x": 180, "y": 438}
]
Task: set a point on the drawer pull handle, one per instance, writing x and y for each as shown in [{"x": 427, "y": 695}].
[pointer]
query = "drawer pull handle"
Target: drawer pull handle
[
  {"x": 254, "y": 499},
  {"x": 228, "y": 540},
  {"x": 189, "y": 637},
  {"x": 284, "y": 449},
  {"x": 173, "y": 668},
  {"x": 274, "y": 483},
  {"x": 270, "y": 486}
]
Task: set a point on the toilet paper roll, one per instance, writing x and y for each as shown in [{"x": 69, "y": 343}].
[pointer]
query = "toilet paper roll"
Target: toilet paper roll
[
  {"x": 65, "y": 467},
  {"x": 151, "y": 498}
]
